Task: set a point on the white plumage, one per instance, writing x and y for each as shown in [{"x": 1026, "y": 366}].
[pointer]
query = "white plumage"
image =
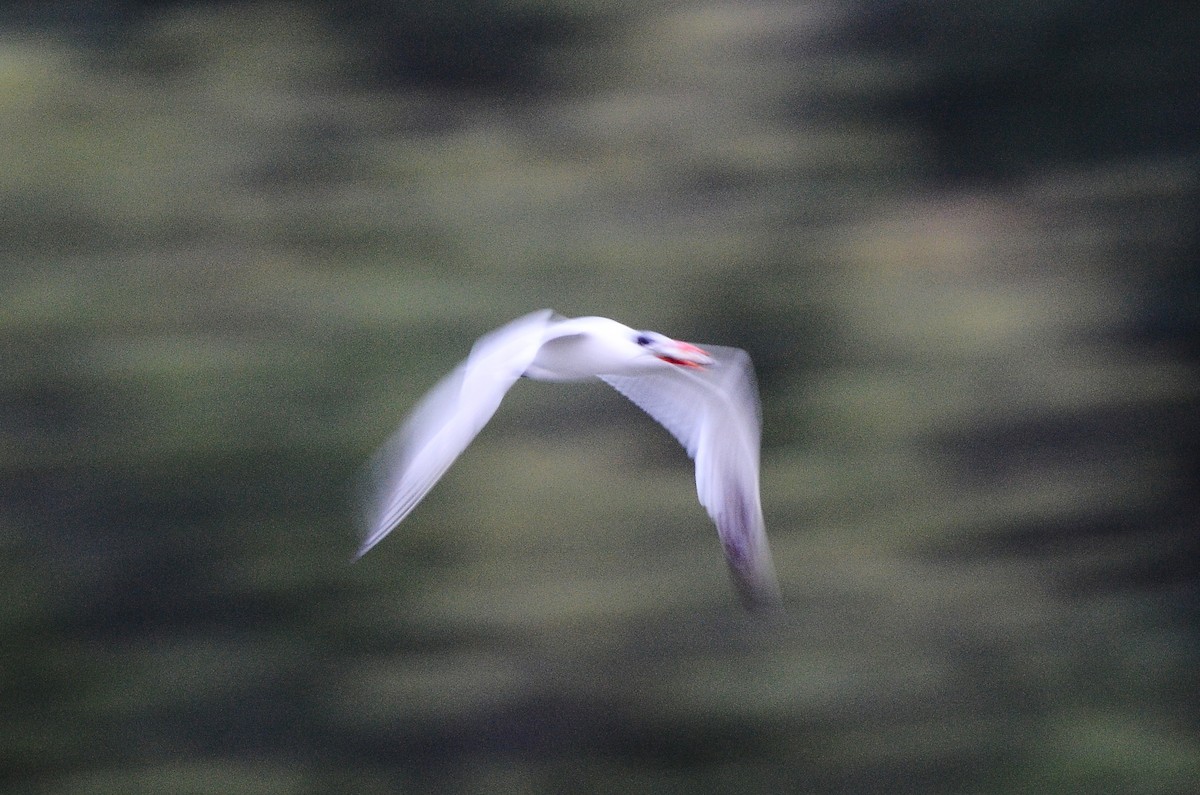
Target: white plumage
[{"x": 705, "y": 397}]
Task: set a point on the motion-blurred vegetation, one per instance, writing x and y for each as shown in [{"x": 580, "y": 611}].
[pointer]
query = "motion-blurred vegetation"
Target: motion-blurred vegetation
[{"x": 239, "y": 240}]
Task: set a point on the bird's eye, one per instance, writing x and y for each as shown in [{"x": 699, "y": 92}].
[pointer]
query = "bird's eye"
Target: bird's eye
[{"x": 643, "y": 340}]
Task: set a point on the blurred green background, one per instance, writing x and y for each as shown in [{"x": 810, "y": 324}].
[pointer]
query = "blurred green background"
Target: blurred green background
[{"x": 239, "y": 240}]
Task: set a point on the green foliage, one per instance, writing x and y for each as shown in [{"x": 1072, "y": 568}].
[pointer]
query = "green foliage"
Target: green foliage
[{"x": 234, "y": 257}]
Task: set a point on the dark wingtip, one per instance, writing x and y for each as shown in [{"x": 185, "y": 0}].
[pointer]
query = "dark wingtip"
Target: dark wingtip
[
  {"x": 759, "y": 598},
  {"x": 753, "y": 575}
]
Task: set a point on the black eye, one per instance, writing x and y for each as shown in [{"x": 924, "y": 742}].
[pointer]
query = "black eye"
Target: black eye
[{"x": 642, "y": 340}]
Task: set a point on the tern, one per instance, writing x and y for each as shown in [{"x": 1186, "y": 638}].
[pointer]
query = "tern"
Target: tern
[{"x": 705, "y": 397}]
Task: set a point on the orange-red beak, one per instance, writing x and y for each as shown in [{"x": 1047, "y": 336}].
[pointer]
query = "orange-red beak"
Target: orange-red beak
[{"x": 684, "y": 354}]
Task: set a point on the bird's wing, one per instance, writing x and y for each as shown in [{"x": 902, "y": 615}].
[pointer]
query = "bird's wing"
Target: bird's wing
[
  {"x": 446, "y": 420},
  {"x": 714, "y": 413}
]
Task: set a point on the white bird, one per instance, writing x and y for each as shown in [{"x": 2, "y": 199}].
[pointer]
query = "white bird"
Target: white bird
[{"x": 706, "y": 398}]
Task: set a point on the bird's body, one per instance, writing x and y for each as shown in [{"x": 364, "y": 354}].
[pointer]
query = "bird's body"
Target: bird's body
[{"x": 705, "y": 397}]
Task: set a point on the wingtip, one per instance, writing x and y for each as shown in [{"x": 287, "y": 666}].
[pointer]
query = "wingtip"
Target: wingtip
[
  {"x": 759, "y": 598},
  {"x": 751, "y": 568},
  {"x": 365, "y": 547},
  {"x": 753, "y": 575}
]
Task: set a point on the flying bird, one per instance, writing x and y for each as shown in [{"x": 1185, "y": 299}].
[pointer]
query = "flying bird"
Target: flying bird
[{"x": 706, "y": 397}]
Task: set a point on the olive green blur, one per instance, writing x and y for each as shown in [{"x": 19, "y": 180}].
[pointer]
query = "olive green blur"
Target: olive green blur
[{"x": 238, "y": 241}]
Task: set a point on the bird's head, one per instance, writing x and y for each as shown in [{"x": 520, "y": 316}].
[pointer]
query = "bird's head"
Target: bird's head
[{"x": 676, "y": 352}]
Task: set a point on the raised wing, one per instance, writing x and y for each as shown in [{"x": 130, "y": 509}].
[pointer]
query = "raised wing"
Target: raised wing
[
  {"x": 714, "y": 413},
  {"x": 446, "y": 420}
]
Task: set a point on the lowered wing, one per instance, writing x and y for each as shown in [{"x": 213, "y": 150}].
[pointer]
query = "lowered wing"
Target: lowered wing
[{"x": 714, "y": 413}]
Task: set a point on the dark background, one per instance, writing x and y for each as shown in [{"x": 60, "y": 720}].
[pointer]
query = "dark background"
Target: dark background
[{"x": 239, "y": 240}]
